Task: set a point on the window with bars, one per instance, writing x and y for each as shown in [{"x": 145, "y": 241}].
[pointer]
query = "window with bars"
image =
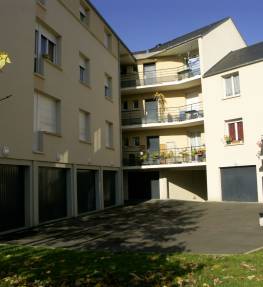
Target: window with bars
[{"x": 232, "y": 85}]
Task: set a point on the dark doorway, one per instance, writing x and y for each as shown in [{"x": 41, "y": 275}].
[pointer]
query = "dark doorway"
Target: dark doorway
[
  {"x": 52, "y": 188},
  {"x": 86, "y": 185},
  {"x": 239, "y": 184},
  {"x": 139, "y": 184},
  {"x": 109, "y": 188},
  {"x": 12, "y": 197}
]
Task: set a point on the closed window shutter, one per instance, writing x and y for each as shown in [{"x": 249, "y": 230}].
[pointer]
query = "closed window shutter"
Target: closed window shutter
[
  {"x": 232, "y": 131},
  {"x": 240, "y": 131},
  {"x": 236, "y": 84},
  {"x": 83, "y": 126},
  {"x": 229, "y": 89},
  {"x": 47, "y": 114}
]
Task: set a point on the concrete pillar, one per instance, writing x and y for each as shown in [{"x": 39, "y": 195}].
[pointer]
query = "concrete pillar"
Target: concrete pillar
[
  {"x": 119, "y": 188},
  {"x": 99, "y": 190},
  {"x": 72, "y": 192},
  {"x": 163, "y": 188},
  {"x": 35, "y": 213}
]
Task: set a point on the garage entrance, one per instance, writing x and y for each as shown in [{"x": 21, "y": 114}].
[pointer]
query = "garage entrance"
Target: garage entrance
[
  {"x": 239, "y": 184},
  {"x": 12, "y": 197},
  {"x": 140, "y": 184}
]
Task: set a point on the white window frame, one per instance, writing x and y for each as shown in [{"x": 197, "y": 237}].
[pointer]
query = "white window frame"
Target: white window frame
[
  {"x": 109, "y": 135},
  {"x": 231, "y": 76},
  {"x": 235, "y": 121},
  {"x": 85, "y": 11},
  {"x": 107, "y": 39},
  {"x": 37, "y": 115},
  {"x": 108, "y": 86},
  {"x": 86, "y": 136},
  {"x": 84, "y": 63}
]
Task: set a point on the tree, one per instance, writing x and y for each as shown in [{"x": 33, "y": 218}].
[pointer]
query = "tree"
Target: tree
[
  {"x": 160, "y": 98},
  {"x": 4, "y": 59}
]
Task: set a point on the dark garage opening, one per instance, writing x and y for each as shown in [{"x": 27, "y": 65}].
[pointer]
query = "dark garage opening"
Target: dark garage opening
[
  {"x": 239, "y": 184},
  {"x": 139, "y": 185},
  {"x": 52, "y": 186},
  {"x": 12, "y": 197},
  {"x": 109, "y": 188},
  {"x": 86, "y": 185}
]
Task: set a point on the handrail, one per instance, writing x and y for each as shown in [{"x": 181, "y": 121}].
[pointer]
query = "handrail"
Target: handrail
[
  {"x": 170, "y": 114},
  {"x": 164, "y": 156}
]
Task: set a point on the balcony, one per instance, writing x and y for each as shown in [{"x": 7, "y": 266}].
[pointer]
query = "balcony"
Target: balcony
[
  {"x": 159, "y": 76},
  {"x": 169, "y": 117},
  {"x": 176, "y": 156}
]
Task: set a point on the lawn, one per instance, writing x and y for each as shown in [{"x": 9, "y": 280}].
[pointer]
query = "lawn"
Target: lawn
[{"x": 27, "y": 266}]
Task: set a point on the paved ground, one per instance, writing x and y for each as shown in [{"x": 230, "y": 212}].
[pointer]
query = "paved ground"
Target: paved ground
[{"x": 163, "y": 226}]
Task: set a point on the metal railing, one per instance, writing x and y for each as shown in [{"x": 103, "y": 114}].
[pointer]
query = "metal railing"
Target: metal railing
[
  {"x": 169, "y": 115},
  {"x": 164, "y": 156},
  {"x": 159, "y": 76}
]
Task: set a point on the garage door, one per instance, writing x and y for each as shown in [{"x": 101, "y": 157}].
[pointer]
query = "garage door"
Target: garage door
[
  {"x": 52, "y": 193},
  {"x": 239, "y": 184},
  {"x": 12, "y": 197}
]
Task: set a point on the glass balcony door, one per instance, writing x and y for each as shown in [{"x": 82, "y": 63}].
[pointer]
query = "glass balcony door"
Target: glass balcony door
[
  {"x": 151, "y": 111},
  {"x": 149, "y": 72}
]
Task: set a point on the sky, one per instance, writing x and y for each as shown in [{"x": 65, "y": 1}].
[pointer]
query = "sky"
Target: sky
[{"x": 142, "y": 24}]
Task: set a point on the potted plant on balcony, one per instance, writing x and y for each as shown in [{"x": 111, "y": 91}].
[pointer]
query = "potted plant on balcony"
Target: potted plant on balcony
[
  {"x": 185, "y": 155},
  {"x": 155, "y": 157},
  {"x": 160, "y": 98},
  {"x": 143, "y": 158},
  {"x": 228, "y": 139}
]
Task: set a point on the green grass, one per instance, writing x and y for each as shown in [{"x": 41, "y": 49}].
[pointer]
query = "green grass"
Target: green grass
[{"x": 27, "y": 266}]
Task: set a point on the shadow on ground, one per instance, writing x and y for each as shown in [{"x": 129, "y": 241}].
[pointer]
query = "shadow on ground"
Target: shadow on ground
[{"x": 149, "y": 227}]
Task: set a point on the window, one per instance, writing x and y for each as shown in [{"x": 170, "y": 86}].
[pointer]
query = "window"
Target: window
[
  {"x": 235, "y": 133},
  {"x": 46, "y": 46},
  {"x": 107, "y": 40},
  {"x": 125, "y": 105},
  {"x": 84, "y": 70},
  {"x": 135, "y": 104},
  {"x": 43, "y": 2},
  {"x": 84, "y": 126},
  {"x": 135, "y": 141},
  {"x": 108, "y": 87},
  {"x": 46, "y": 114},
  {"x": 109, "y": 135},
  {"x": 232, "y": 85},
  {"x": 84, "y": 14}
]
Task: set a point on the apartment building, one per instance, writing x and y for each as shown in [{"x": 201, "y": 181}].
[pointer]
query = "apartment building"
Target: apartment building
[
  {"x": 164, "y": 115},
  {"x": 60, "y": 152},
  {"x": 233, "y": 91}
]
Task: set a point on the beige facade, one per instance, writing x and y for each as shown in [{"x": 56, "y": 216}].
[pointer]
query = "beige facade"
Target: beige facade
[
  {"x": 247, "y": 107},
  {"x": 58, "y": 117}
]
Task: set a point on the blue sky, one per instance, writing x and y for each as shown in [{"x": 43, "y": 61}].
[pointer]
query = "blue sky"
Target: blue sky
[{"x": 142, "y": 24}]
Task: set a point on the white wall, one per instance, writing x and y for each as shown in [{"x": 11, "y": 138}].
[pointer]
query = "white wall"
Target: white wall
[{"x": 217, "y": 110}]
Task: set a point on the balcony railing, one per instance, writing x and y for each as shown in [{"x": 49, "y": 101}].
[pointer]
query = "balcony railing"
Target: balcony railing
[
  {"x": 159, "y": 76},
  {"x": 164, "y": 156},
  {"x": 169, "y": 115}
]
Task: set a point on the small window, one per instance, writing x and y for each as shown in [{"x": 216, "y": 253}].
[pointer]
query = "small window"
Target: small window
[
  {"x": 135, "y": 104},
  {"x": 84, "y": 14},
  {"x": 135, "y": 141},
  {"x": 109, "y": 135},
  {"x": 125, "y": 105},
  {"x": 232, "y": 85},
  {"x": 84, "y": 70},
  {"x": 84, "y": 126},
  {"x": 108, "y": 87},
  {"x": 235, "y": 133},
  {"x": 108, "y": 40}
]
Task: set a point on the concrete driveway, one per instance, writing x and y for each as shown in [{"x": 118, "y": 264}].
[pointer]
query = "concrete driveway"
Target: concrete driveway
[{"x": 159, "y": 226}]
